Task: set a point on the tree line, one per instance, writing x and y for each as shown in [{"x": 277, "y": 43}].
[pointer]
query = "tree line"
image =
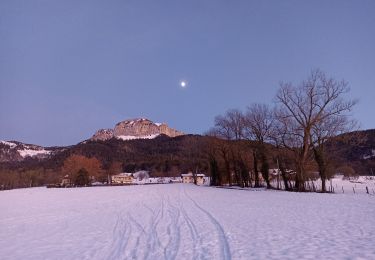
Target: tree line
[{"x": 291, "y": 135}]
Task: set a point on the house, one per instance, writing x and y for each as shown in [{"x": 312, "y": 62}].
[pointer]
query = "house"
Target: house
[
  {"x": 66, "y": 181},
  {"x": 187, "y": 178},
  {"x": 122, "y": 178},
  {"x": 274, "y": 172},
  {"x": 200, "y": 178}
]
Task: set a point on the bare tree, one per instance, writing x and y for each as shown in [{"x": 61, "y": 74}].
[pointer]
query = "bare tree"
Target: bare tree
[
  {"x": 258, "y": 122},
  {"x": 280, "y": 140},
  {"x": 322, "y": 132},
  {"x": 230, "y": 125},
  {"x": 303, "y": 108}
]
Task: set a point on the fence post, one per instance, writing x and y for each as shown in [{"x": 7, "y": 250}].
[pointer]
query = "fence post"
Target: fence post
[
  {"x": 367, "y": 190},
  {"x": 353, "y": 190},
  {"x": 342, "y": 189}
]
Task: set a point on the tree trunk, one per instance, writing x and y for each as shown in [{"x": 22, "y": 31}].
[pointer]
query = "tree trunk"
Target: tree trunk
[
  {"x": 283, "y": 173},
  {"x": 302, "y": 158},
  {"x": 320, "y": 160},
  {"x": 299, "y": 184},
  {"x": 256, "y": 175},
  {"x": 215, "y": 178},
  {"x": 300, "y": 174},
  {"x": 324, "y": 189},
  {"x": 227, "y": 169},
  {"x": 265, "y": 170},
  {"x": 244, "y": 172}
]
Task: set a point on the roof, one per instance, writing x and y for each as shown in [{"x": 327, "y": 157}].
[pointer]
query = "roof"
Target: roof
[
  {"x": 191, "y": 175},
  {"x": 274, "y": 171},
  {"x": 124, "y": 174}
]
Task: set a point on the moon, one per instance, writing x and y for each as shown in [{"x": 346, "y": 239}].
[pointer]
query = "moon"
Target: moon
[{"x": 183, "y": 84}]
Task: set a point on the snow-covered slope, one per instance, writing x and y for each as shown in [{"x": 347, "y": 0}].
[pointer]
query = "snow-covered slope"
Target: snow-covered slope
[
  {"x": 17, "y": 151},
  {"x": 370, "y": 155},
  {"x": 9, "y": 144},
  {"x": 183, "y": 221}
]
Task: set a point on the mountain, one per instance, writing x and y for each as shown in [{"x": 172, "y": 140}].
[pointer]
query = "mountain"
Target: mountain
[
  {"x": 355, "y": 149},
  {"x": 13, "y": 151},
  {"x": 139, "y": 128},
  {"x": 140, "y": 144}
]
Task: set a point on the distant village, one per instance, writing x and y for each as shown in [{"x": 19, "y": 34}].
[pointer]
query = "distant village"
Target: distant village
[
  {"x": 137, "y": 178},
  {"x": 143, "y": 177}
]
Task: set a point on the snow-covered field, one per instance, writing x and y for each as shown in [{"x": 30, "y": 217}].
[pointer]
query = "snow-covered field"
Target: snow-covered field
[{"x": 183, "y": 221}]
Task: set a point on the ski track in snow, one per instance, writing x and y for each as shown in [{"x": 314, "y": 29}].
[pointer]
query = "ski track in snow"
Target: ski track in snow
[
  {"x": 162, "y": 237},
  {"x": 195, "y": 238},
  {"x": 166, "y": 220},
  {"x": 224, "y": 245},
  {"x": 180, "y": 221}
]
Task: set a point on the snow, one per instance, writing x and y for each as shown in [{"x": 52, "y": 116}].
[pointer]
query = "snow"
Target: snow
[
  {"x": 28, "y": 152},
  {"x": 141, "y": 177},
  {"x": 132, "y": 137},
  {"x": 184, "y": 221},
  {"x": 158, "y": 180},
  {"x": 10, "y": 144},
  {"x": 370, "y": 156},
  {"x": 340, "y": 185},
  {"x": 357, "y": 184},
  {"x": 28, "y": 149},
  {"x": 158, "y": 124}
]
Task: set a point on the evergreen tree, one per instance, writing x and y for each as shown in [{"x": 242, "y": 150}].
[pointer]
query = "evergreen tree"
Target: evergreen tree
[{"x": 82, "y": 178}]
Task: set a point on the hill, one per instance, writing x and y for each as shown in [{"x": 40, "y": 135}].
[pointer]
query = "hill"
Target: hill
[{"x": 161, "y": 155}]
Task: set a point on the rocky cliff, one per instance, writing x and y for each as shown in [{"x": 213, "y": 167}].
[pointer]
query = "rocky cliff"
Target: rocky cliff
[
  {"x": 103, "y": 134},
  {"x": 136, "y": 128}
]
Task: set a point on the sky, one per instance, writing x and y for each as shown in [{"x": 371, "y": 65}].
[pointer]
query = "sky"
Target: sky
[{"x": 69, "y": 68}]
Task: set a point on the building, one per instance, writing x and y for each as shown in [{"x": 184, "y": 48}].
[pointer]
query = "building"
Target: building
[
  {"x": 200, "y": 178},
  {"x": 189, "y": 178},
  {"x": 66, "y": 181},
  {"x": 122, "y": 178}
]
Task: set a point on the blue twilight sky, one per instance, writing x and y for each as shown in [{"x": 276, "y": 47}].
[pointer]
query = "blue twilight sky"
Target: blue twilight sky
[{"x": 70, "y": 67}]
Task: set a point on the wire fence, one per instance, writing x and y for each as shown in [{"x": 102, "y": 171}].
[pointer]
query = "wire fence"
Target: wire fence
[{"x": 361, "y": 185}]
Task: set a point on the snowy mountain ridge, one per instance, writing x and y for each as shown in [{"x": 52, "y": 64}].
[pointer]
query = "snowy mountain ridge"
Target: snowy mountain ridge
[
  {"x": 138, "y": 128},
  {"x": 17, "y": 151}
]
